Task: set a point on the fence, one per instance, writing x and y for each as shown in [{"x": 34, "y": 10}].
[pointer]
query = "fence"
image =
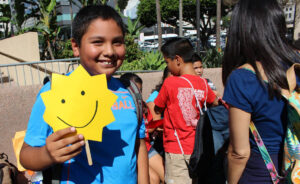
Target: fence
[{"x": 33, "y": 73}]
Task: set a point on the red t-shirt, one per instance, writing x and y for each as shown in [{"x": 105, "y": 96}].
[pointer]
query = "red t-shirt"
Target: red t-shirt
[{"x": 178, "y": 97}]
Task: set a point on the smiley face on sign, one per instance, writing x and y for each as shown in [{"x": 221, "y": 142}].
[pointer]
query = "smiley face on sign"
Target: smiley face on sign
[{"x": 81, "y": 101}]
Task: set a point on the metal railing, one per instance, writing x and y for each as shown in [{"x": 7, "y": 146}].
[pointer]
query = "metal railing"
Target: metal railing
[
  {"x": 31, "y": 73},
  {"x": 34, "y": 73}
]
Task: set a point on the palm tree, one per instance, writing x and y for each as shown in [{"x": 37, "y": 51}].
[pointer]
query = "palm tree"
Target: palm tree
[
  {"x": 46, "y": 21},
  {"x": 159, "y": 31},
  {"x": 198, "y": 25},
  {"x": 180, "y": 18},
  {"x": 71, "y": 14},
  {"x": 218, "y": 27}
]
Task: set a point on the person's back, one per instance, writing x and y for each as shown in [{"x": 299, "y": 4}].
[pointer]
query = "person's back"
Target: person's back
[
  {"x": 253, "y": 78},
  {"x": 177, "y": 97}
]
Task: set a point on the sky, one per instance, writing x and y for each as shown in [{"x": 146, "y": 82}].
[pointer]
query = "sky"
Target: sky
[{"x": 131, "y": 9}]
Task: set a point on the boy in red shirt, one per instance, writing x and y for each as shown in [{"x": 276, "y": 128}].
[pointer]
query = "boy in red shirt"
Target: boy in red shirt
[{"x": 181, "y": 112}]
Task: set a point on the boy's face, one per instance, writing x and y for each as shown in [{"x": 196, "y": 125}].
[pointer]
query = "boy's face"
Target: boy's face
[
  {"x": 198, "y": 67},
  {"x": 172, "y": 65},
  {"x": 102, "y": 48}
]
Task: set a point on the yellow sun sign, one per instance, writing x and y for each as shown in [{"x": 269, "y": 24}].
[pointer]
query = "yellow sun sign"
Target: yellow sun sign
[{"x": 81, "y": 101}]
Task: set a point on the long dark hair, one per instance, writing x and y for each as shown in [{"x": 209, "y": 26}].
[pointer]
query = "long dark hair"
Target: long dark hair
[
  {"x": 165, "y": 75},
  {"x": 257, "y": 33}
]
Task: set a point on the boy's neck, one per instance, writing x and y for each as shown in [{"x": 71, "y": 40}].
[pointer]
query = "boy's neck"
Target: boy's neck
[{"x": 187, "y": 68}]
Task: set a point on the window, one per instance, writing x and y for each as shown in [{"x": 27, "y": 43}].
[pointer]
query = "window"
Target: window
[{"x": 290, "y": 15}]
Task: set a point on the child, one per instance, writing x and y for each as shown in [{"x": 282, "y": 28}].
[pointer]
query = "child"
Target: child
[
  {"x": 99, "y": 42},
  {"x": 135, "y": 78},
  {"x": 198, "y": 67},
  {"x": 177, "y": 98},
  {"x": 156, "y": 168},
  {"x": 256, "y": 38}
]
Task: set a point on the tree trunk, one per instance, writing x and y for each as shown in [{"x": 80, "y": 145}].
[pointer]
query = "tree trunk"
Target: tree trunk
[
  {"x": 218, "y": 26},
  {"x": 198, "y": 26},
  {"x": 180, "y": 18},
  {"x": 71, "y": 14},
  {"x": 50, "y": 49},
  {"x": 159, "y": 31},
  {"x": 116, "y": 3}
]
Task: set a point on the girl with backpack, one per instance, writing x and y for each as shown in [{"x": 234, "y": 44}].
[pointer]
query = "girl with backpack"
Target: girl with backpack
[{"x": 256, "y": 58}]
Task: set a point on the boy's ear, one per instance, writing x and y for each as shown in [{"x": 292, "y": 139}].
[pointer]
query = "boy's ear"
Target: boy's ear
[
  {"x": 178, "y": 60},
  {"x": 75, "y": 47}
]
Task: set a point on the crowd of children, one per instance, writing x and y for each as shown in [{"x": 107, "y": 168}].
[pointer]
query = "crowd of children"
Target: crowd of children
[{"x": 164, "y": 141}]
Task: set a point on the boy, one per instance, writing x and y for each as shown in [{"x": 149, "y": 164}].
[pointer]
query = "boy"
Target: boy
[
  {"x": 99, "y": 42},
  {"x": 198, "y": 67},
  {"x": 177, "y": 99}
]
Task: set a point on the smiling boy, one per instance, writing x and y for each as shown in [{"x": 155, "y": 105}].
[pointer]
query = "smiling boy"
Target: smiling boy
[{"x": 99, "y": 42}]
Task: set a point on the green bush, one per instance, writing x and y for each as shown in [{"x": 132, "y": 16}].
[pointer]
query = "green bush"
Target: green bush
[
  {"x": 152, "y": 60},
  {"x": 132, "y": 49},
  {"x": 212, "y": 58}
]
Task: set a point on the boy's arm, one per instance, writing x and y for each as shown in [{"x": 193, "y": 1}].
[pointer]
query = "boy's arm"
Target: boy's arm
[
  {"x": 155, "y": 116},
  {"x": 142, "y": 162},
  {"x": 58, "y": 149}
]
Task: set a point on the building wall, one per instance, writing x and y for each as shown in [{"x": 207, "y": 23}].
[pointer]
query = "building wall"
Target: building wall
[
  {"x": 297, "y": 23},
  {"x": 19, "y": 49},
  {"x": 289, "y": 12}
]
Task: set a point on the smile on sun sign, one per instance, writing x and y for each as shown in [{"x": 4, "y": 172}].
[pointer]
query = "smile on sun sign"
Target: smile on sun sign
[{"x": 81, "y": 101}]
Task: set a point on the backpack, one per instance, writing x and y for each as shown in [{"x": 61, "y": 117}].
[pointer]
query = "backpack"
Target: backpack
[
  {"x": 206, "y": 164},
  {"x": 52, "y": 175},
  {"x": 8, "y": 171},
  {"x": 291, "y": 141},
  {"x": 291, "y": 158}
]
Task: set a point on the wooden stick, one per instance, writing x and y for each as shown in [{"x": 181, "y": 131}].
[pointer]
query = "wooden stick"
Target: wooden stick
[{"x": 88, "y": 152}]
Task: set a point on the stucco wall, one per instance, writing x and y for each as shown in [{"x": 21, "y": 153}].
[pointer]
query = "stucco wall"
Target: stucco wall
[{"x": 19, "y": 49}]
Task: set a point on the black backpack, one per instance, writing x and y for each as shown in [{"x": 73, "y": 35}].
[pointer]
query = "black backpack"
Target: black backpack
[{"x": 208, "y": 161}]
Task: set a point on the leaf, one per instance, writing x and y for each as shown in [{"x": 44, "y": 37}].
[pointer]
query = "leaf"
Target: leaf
[{"x": 51, "y": 6}]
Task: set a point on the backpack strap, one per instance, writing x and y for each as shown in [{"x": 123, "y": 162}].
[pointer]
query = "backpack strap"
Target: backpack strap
[
  {"x": 258, "y": 140},
  {"x": 265, "y": 155},
  {"x": 137, "y": 97}
]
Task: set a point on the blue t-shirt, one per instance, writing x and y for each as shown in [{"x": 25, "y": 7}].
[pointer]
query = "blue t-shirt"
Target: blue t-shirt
[
  {"x": 152, "y": 97},
  {"x": 244, "y": 91},
  {"x": 114, "y": 159}
]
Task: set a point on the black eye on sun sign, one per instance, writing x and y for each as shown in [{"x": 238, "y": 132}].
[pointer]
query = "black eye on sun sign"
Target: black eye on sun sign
[
  {"x": 63, "y": 101},
  {"x": 82, "y": 93}
]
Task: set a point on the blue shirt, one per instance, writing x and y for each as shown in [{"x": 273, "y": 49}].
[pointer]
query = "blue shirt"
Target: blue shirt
[
  {"x": 114, "y": 159},
  {"x": 244, "y": 91},
  {"x": 152, "y": 96}
]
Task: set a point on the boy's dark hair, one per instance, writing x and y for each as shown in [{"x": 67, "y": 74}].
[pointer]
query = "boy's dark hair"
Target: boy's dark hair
[
  {"x": 196, "y": 57},
  {"x": 133, "y": 77},
  {"x": 90, "y": 13},
  {"x": 178, "y": 46}
]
